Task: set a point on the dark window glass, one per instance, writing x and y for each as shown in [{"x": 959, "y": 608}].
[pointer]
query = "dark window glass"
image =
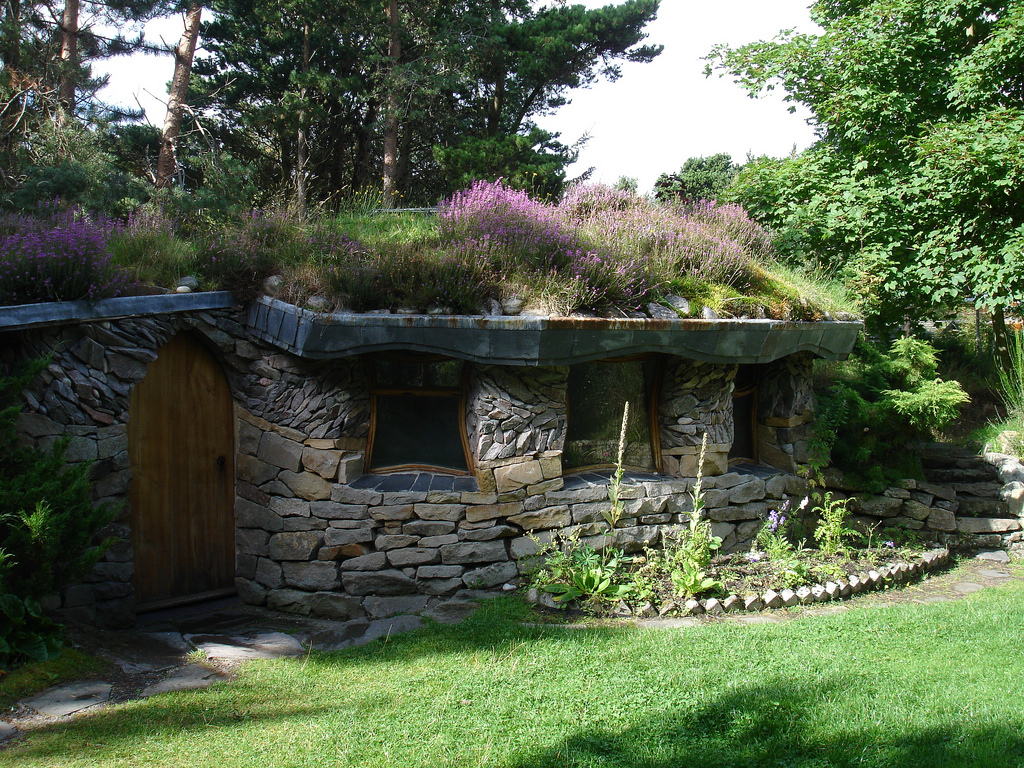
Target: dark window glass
[
  {"x": 744, "y": 400},
  {"x": 421, "y": 430},
  {"x": 597, "y": 393},
  {"x": 417, "y": 413}
]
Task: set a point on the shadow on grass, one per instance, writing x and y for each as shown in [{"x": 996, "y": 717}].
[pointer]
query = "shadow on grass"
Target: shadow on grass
[
  {"x": 778, "y": 724},
  {"x": 790, "y": 720}
]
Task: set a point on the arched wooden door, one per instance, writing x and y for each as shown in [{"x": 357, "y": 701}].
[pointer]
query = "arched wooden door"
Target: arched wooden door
[{"x": 181, "y": 446}]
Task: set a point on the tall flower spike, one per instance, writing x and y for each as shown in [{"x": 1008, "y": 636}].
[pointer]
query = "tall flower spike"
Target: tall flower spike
[{"x": 622, "y": 433}]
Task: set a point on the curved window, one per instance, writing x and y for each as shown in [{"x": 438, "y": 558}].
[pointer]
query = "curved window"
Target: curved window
[
  {"x": 744, "y": 415},
  {"x": 417, "y": 414},
  {"x": 596, "y": 395}
]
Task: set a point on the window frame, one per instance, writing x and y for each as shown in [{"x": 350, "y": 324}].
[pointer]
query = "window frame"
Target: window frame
[{"x": 459, "y": 391}]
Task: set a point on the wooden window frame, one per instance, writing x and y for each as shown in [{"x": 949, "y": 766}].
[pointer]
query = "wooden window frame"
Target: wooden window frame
[{"x": 459, "y": 391}]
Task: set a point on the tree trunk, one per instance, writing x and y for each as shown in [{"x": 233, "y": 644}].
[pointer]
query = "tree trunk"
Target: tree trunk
[
  {"x": 391, "y": 111},
  {"x": 11, "y": 110},
  {"x": 302, "y": 137},
  {"x": 1000, "y": 343},
  {"x": 68, "y": 59},
  {"x": 176, "y": 99}
]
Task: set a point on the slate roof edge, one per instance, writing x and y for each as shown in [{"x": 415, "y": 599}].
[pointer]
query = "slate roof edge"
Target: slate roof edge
[{"x": 535, "y": 340}]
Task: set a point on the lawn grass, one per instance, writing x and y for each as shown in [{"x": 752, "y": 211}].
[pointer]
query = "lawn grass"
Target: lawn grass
[
  {"x": 902, "y": 685},
  {"x": 38, "y": 676}
]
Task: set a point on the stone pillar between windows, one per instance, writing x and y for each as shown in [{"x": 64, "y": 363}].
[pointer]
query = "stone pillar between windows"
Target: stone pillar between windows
[
  {"x": 696, "y": 400},
  {"x": 785, "y": 412}
]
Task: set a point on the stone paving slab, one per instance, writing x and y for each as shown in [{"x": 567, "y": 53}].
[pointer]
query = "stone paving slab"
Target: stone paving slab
[
  {"x": 187, "y": 678},
  {"x": 68, "y": 699},
  {"x": 252, "y": 645},
  {"x": 7, "y": 731}
]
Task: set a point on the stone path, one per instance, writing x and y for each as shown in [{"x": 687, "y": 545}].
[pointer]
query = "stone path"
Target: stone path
[{"x": 182, "y": 649}]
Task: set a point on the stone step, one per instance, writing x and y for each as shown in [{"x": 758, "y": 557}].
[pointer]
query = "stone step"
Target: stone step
[{"x": 980, "y": 474}]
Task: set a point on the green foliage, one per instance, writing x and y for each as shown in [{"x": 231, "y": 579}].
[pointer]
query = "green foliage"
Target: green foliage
[
  {"x": 915, "y": 185},
  {"x": 700, "y": 178},
  {"x": 832, "y": 533},
  {"x": 877, "y": 404},
  {"x": 574, "y": 570},
  {"x": 48, "y": 526},
  {"x": 1011, "y": 380}
]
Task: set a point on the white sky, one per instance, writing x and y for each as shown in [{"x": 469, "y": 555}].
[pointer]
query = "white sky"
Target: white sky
[{"x": 645, "y": 124}]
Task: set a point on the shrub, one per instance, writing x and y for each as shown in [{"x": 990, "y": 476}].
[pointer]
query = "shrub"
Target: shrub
[
  {"x": 48, "y": 526},
  {"x": 60, "y": 258},
  {"x": 878, "y": 403}
]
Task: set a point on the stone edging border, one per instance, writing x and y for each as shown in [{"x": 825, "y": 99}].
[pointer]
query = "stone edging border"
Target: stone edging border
[{"x": 841, "y": 589}]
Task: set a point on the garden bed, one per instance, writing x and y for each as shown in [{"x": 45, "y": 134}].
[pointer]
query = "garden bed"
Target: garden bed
[{"x": 752, "y": 584}]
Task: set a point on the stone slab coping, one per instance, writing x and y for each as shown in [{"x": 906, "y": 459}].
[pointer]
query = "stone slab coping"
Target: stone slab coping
[
  {"x": 423, "y": 482},
  {"x": 533, "y": 340},
  {"x": 67, "y": 312}
]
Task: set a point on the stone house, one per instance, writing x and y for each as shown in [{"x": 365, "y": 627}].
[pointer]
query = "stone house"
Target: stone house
[{"x": 311, "y": 462}]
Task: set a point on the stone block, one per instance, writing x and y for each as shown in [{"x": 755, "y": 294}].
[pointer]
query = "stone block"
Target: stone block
[
  {"x": 398, "y": 512},
  {"x": 982, "y": 507},
  {"x": 332, "y": 605},
  {"x": 341, "y": 537},
  {"x": 440, "y": 586},
  {"x": 342, "y": 551},
  {"x": 942, "y": 520},
  {"x": 269, "y": 573},
  {"x": 332, "y": 510},
  {"x": 577, "y": 495},
  {"x": 394, "y": 541},
  {"x": 548, "y": 485},
  {"x": 302, "y": 524},
  {"x": 251, "y": 515},
  {"x": 395, "y": 498},
  {"x": 314, "y": 576},
  {"x": 345, "y": 494},
  {"x": 513, "y": 476},
  {"x": 775, "y": 486},
  {"x": 876, "y": 506},
  {"x": 551, "y": 466},
  {"x": 374, "y": 561},
  {"x": 289, "y": 600},
  {"x": 289, "y": 507},
  {"x": 449, "y": 512},
  {"x": 473, "y": 552},
  {"x": 940, "y": 491},
  {"x": 280, "y": 452},
  {"x": 386, "y": 607},
  {"x": 631, "y": 540},
  {"x": 249, "y": 436},
  {"x": 488, "y": 534},
  {"x": 752, "y": 511},
  {"x": 323, "y": 463},
  {"x": 250, "y": 592},
  {"x": 987, "y": 525},
  {"x": 549, "y": 517},
  {"x": 428, "y": 528},
  {"x": 252, "y": 541},
  {"x": 378, "y": 583},
  {"x": 916, "y": 510},
  {"x": 254, "y": 471},
  {"x": 490, "y": 575},
  {"x": 306, "y": 485},
  {"x": 751, "y": 490},
  {"x": 591, "y": 512},
  {"x": 296, "y": 545},
  {"x": 351, "y": 466},
  {"x": 401, "y": 558},
  {"x": 473, "y": 498},
  {"x": 439, "y": 572}
]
